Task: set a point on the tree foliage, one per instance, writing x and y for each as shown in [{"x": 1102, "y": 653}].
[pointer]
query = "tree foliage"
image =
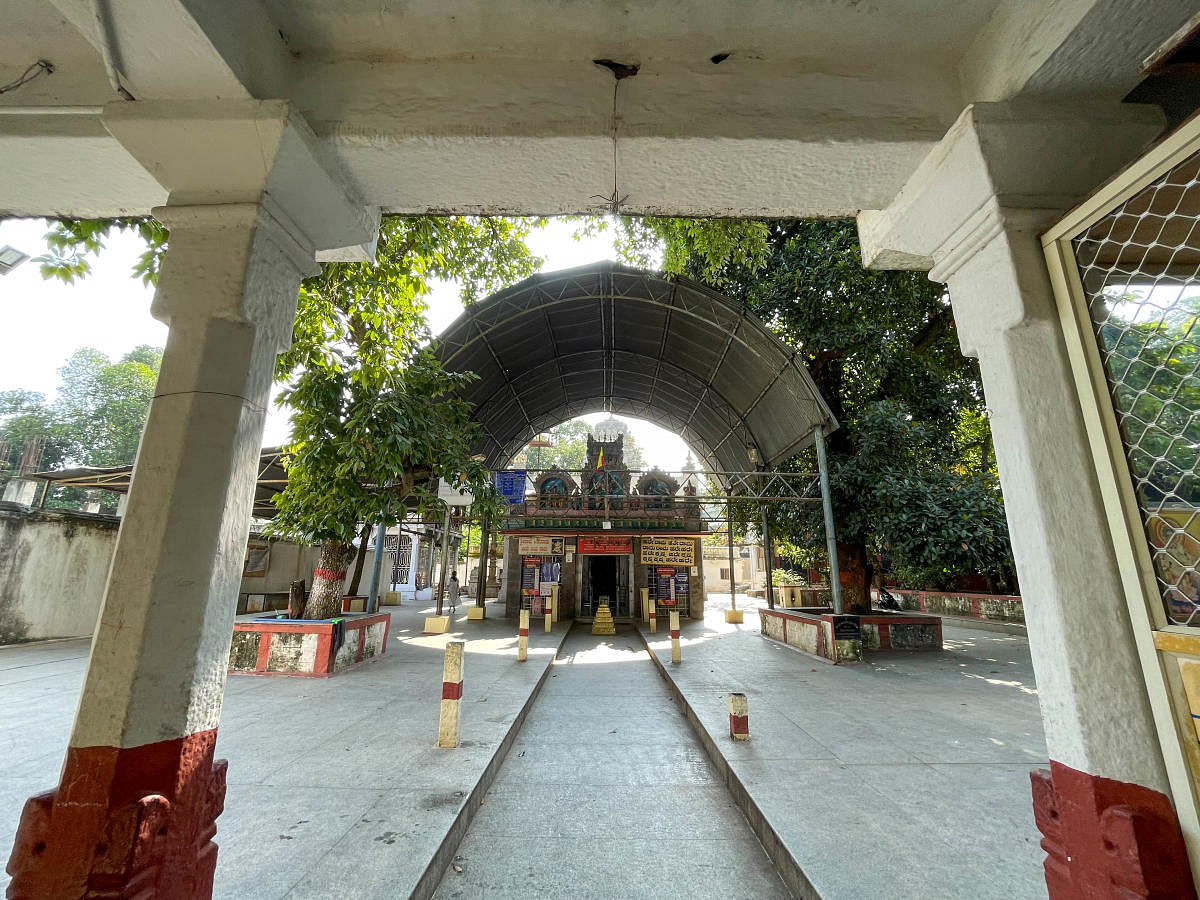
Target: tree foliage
[
  {"x": 1153, "y": 357},
  {"x": 911, "y": 469},
  {"x": 375, "y": 418},
  {"x": 96, "y": 418},
  {"x": 568, "y": 449}
]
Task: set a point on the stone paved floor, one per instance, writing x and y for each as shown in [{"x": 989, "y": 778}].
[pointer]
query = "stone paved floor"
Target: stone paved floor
[
  {"x": 607, "y": 793},
  {"x": 904, "y": 778},
  {"x": 335, "y": 787},
  {"x": 907, "y": 777}
]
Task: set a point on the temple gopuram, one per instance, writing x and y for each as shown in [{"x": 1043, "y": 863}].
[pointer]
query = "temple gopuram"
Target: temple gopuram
[{"x": 601, "y": 536}]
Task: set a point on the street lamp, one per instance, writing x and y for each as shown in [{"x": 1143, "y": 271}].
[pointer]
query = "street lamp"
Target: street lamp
[
  {"x": 752, "y": 455},
  {"x": 10, "y": 258}
]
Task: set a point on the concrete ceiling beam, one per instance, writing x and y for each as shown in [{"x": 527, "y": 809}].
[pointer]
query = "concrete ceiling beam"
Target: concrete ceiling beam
[
  {"x": 188, "y": 49},
  {"x": 1067, "y": 47}
]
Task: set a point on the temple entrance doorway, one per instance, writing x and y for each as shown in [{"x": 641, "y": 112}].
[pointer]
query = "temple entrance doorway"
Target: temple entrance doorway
[{"x": 605, "y": 579}]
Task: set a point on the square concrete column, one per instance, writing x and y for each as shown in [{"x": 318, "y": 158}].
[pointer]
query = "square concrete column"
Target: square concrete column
[
  {"x": 140, "y": 791},
  {"x": 972, "y": 214},
  {"x": 250, "y": 204}
]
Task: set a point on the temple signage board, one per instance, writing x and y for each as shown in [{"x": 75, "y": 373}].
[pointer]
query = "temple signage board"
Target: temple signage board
[
  {"x": 847, "y": 628},
  {"x": 541, "y": 545},
  {"x": 668, "y": 551},
  {"x": 603, "y": 544},
  {"x": 511, "y": 484}
]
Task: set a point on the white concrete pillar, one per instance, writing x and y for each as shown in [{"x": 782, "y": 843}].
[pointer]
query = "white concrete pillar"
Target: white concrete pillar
[
  {"x": 140, "y": 790},
  {"x": 971, "y": 214}
]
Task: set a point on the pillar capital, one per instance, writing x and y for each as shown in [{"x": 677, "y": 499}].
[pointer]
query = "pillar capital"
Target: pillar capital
[
  {"x": 1010, "y": 164},
  {"x": 259, "y": 152}
]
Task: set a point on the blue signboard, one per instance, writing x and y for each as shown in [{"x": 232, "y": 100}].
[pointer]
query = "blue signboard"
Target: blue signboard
[{"x": 511, "y": 484}]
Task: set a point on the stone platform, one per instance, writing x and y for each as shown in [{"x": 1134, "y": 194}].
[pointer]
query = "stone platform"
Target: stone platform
[{"x": 314, "y": 648}]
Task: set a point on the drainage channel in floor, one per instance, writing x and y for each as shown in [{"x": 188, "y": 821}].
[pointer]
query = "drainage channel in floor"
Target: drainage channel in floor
[{"x": 607, "y": 793}]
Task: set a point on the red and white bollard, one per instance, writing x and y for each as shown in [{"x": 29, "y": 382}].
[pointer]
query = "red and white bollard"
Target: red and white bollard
[
  {"x": 739, "y": 717},
  {"x": 676, "y": 653},
  {"x": 653, "y": 617},
  {"x": 549, "y": 614},
  {"x": 523, "y": 637},
  {"x": 452, "y": 690}
]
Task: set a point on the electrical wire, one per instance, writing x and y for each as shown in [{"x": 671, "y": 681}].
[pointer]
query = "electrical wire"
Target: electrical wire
[{"x": 41, "y": 67}]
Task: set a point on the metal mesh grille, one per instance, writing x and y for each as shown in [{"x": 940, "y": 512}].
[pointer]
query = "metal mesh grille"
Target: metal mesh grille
[
  {"x": 1140, "y": 268},
  {"x": 399, "y": 547}
]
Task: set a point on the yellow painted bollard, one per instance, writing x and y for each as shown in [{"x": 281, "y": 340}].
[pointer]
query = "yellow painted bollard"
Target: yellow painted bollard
[
  {"x": 739, "y": 717},
  {"x": 523, "y": 637},
  {"x": 554, "y": 602},
  {"x": 653, "y": 618},
  {"x": 549, "y": 615},
  {"x": 645, "y": 604},
  {"x": 676, "y": 654},
  {"x": 452, "y": 688}
]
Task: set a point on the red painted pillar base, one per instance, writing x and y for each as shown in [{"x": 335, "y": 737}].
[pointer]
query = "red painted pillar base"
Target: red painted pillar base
[
  {"x": 1108, "y": 839},
  {"x": 130, "y": 823}
]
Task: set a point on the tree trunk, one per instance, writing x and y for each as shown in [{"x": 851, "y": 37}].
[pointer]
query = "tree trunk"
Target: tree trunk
[
  {"x": 359, "y": 559},
  {"x": 325, "y": 598},
  {"x": 857, "y": 574}
]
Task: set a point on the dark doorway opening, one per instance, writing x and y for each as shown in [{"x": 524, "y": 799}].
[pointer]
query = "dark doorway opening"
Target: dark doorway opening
[{"x": 605, "y": 580}]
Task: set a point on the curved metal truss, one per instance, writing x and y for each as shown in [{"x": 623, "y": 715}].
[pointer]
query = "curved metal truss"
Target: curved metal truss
[{"x": 629, "y": 341}]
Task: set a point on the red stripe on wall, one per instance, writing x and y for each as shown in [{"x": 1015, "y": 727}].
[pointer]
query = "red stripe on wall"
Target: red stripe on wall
[{"x": 264, "y": 651}]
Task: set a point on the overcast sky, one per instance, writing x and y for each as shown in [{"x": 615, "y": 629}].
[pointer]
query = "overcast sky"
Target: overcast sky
[{"x": 46, "y": 321}]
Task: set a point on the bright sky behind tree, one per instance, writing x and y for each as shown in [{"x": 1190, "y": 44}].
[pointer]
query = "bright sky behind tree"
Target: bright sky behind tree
[{"x": 46, "y": 321}]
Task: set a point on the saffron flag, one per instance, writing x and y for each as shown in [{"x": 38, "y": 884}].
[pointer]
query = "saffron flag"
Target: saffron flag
[{"x": 600, "y": 459}]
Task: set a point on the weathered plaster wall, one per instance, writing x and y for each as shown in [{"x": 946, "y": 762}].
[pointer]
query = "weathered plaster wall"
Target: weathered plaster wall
[{"x": 53, "y": 566}]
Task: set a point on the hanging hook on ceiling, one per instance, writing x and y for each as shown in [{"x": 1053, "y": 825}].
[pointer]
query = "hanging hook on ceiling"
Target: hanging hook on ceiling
[{"x": 619, "y": 71}]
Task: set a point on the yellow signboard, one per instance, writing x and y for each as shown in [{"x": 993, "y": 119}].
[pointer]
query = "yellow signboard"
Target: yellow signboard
[
  {"x": 668, "y": 551},
  {"x": 540, "y": 545}
]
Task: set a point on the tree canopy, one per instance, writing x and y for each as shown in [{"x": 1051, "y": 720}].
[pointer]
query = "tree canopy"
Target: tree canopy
[
  {"x": 96, "y": 418},
  {"x": 568, "y": 449},
  {"x": 911, "y": 469},
  {"x": 375, "y": 418}
]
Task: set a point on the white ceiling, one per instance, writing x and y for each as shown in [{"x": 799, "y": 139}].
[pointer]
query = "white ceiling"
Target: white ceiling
[{"x": 482, "y": 105}]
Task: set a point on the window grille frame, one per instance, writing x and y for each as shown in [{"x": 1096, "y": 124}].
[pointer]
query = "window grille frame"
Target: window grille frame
[{"x": 1160, "y": 644}]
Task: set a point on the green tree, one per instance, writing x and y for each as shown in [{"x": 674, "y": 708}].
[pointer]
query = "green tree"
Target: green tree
[
  {"x": 103, "y": 405},
  {"x": 568, "y": 449},
  {"x": 1153, "y": 364},
  {"x": 375, "y": 418},
  {"x": 911, "y": 470},
  {"x": 96, "y": 418}
]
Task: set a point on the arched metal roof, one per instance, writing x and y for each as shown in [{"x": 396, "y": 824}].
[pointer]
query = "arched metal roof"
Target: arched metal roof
[{"x": 630, "y": 341}]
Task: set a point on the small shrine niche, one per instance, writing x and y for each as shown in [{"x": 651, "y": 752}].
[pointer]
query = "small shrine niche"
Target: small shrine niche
[
  {"x": 555, "y": 488},
  {"x": 657, "y": 489}
]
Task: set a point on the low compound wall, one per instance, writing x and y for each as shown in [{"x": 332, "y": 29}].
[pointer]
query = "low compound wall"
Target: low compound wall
[
  {"x": 803, "y": 595},
  {"x": 842, "y": 639},
  {"x": 814, "y": 631},
  {"x": 306, "y": 648},
  {"x": 897, "y": 631},
  {"x": 53, "y": 566},
  {"x": 985, "y": 607}
]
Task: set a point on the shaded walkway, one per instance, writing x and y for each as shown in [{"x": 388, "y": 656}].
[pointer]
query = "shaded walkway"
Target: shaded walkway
[{"x": 606, "y": 793}]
